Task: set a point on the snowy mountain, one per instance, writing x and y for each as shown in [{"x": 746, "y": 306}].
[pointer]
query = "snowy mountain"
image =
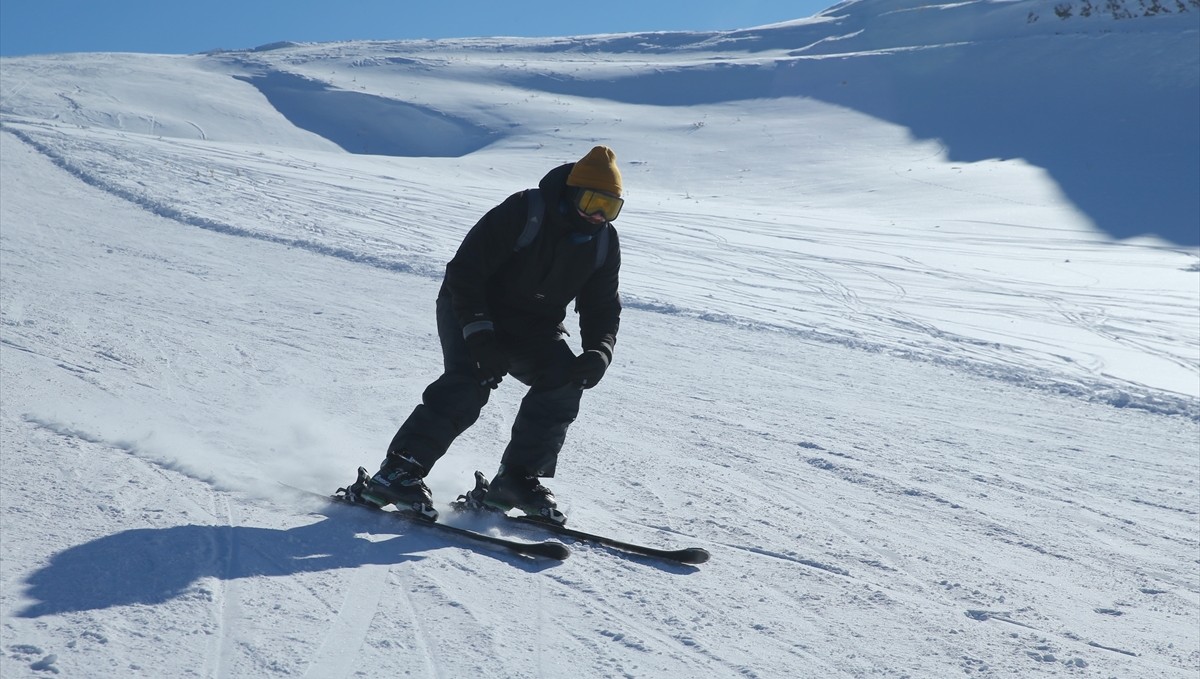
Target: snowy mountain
[{"x": 911, "y": 345}]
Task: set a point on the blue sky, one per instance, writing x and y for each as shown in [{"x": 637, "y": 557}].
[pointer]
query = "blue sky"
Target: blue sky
[{"x": 174, "y": 27}]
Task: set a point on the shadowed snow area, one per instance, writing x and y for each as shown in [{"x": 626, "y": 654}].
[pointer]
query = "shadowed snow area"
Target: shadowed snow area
[
  {"x": 1074, "y": 102},
  {"x": 368, "y": 124}
]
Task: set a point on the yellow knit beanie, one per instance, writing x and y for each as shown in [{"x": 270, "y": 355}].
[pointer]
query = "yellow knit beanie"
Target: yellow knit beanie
[{"x": 597, "y": 170}]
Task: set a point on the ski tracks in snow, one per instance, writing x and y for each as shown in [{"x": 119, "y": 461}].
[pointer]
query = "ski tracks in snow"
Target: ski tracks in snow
[
  {"x": 219, "y": 661},
  {"x": 340, "y": 647}
]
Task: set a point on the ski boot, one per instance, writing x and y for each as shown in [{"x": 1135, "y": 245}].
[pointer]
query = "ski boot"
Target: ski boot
[
  {"x": 399, "y": 481},
  {"x": 513, "y": 488}
]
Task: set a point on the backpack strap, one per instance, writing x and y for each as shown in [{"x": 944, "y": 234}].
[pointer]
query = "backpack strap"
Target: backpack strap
[
  {"x": 533, "y": 219},
  {"x": 601, "y": 247}
]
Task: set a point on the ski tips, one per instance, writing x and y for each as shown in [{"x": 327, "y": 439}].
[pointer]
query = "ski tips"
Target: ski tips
[
  {"x": 550, "y": 550},
  {"x": 693, "y": 555}
]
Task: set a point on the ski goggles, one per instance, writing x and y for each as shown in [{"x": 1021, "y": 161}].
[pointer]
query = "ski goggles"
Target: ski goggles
[{"x": 592, "y": 202}]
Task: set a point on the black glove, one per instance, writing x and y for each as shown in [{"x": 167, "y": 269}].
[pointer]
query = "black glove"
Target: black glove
[
  {"x": 491, "y": 363},
  {"x": 588, "y": 367}
]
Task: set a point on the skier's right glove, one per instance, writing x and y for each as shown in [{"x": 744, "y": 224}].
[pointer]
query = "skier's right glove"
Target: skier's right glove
[{"x": 490, "y": 361}]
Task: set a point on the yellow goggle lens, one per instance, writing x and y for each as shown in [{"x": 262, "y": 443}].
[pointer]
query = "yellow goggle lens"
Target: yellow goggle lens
[{"x": 591, "y": 202}]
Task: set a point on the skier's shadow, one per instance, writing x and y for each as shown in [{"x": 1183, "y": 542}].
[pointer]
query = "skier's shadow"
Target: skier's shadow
[{"x": 156, "y": 565}]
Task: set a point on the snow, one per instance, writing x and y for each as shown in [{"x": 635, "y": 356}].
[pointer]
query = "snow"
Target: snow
[{"x": 911, "y": 345}]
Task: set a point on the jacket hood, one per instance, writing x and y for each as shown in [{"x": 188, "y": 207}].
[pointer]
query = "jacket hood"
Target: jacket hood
[
  {"x": 559, "y": 213},
  {"x": 554, "y": 184}
]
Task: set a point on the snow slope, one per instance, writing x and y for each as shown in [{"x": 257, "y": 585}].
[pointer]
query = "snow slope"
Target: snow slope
[{"x": 931, "y": 407}]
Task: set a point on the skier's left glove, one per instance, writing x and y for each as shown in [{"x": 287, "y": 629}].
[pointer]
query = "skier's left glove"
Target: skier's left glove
[{"x": 588, "y": 368}]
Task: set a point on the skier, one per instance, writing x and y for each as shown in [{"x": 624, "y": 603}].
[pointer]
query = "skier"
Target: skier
[{"x": 500, "y": 311}]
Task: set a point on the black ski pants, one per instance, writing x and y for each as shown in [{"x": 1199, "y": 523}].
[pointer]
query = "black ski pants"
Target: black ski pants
[{"x": 452, "y": 403}]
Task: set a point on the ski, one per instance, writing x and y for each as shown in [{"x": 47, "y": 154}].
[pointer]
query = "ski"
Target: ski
[
  {"x": 548, "y": 550},
  {"x": 474, "y": 502},
  {"x": 686, "y": 555}
]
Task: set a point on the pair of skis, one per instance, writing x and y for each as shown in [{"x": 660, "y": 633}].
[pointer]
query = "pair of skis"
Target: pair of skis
[{"x": 471, "y": 502}]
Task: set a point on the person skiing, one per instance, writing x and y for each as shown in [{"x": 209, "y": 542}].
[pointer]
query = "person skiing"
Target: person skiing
[{"x": 500, "y": 312}]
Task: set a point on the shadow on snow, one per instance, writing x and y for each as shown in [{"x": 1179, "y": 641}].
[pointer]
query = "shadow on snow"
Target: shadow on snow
[{"x": 157, "y": 565}]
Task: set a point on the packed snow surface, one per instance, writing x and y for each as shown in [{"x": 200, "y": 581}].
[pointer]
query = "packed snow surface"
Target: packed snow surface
[{"x": 911, "y": 345}]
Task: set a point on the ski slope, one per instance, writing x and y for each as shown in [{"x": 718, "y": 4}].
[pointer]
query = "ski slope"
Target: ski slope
[{"x": 909, "y": 345}]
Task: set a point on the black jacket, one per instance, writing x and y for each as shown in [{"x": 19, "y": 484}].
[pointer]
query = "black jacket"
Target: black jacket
[{"x": 524, "y": 293}]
